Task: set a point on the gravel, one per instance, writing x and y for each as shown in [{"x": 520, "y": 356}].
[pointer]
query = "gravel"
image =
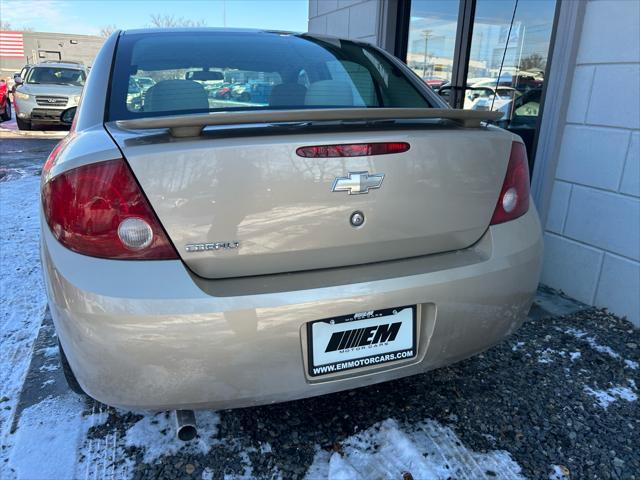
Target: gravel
[{"x": 528, "y": 396}]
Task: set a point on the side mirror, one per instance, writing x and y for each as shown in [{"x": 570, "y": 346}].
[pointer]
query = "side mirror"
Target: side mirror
[
  {"x": 18, "y": 80},
  {"x": 66, "y": 117}
]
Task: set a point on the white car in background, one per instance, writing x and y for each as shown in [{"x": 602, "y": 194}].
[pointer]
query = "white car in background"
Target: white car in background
[
  {"x": 46, "y": 91},
  {"x": 490, "y": 98}
]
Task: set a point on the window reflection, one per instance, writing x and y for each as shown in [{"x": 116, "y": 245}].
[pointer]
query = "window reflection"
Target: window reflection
[
  {"x": 523, "y": 45},
  {"x": 508, "y": 60},
  {"x": 432, "y": 39}
]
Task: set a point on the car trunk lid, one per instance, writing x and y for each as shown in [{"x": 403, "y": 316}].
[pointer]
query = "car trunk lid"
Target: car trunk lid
[{"x": 240, "y": 203}]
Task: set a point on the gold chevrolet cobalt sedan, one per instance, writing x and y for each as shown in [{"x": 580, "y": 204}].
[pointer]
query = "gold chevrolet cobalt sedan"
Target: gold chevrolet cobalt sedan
[{"x": 276, "y": 216}]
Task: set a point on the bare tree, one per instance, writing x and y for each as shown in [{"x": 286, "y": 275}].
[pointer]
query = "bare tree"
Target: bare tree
[
  {"x": 533, "y": 61},
  {"x": 168, "y": 21},
  {"x": 8, "y": 26},
  {"x": 107, "y": 30}
]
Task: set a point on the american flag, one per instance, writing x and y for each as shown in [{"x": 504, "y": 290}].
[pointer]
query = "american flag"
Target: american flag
[{"x": 11, "y": 44}]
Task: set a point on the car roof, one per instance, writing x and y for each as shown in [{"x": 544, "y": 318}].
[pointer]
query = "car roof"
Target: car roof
[
  {"x": 150, "y": 31},
  {"x": 70, "y": 64},
  {"x": 245, "y": 31},
  {"x": 241, "y": 31}
]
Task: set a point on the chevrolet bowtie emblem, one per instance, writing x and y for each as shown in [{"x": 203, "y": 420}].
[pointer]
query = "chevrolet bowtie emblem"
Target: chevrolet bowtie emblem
[{"x": 357, "y": 182}]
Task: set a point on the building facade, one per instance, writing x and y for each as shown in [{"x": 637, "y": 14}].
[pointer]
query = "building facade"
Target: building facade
[
  {"x": 567, "y": 75},
  {"x": 18, "y": 49}
]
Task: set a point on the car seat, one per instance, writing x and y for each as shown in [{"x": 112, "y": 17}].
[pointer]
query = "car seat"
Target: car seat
[
  {"x": 287, "y": 95},
  {"x": 172, "y": 95},
  {"x": 330, "y": 92}
]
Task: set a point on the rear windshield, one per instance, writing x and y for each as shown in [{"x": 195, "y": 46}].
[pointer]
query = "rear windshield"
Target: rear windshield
[{"x": 173, "y": 73}]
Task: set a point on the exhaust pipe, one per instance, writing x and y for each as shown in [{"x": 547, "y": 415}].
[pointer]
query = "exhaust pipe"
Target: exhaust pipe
[{"x": 186, "y": 425}]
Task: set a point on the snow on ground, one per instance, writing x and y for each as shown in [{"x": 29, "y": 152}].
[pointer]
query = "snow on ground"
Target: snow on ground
[
  {"x": 610, "y": 395},
  {"x": 546, "y": 355},
  {"x": 22, "y": 299},
  {"x": 631, "y": 364},
  {"x": 559, "y": 472},
  {"x": 161, "y": 427},
  {"x": 425, "y": 450},
  {"x": 593, "y": 343},
  {"x": 46, "y": 442},
  {"x": 207, "y": 474},
  {"x": 62, "y": 425},
  {"x": 604, "y": 398}
]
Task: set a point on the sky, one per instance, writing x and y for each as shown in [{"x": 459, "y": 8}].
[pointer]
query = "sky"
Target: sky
[{"x": 89, "y": 16}]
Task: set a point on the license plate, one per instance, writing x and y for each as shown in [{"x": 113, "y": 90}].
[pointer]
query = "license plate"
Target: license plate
[{"x": 362, "y": 339}]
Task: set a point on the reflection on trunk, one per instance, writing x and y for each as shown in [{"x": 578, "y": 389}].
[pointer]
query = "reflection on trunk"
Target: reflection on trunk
[{"x": 438, "y": 196}]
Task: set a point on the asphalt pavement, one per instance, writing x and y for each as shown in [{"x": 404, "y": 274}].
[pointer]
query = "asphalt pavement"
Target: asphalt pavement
[{"x": 24, "y": 152}]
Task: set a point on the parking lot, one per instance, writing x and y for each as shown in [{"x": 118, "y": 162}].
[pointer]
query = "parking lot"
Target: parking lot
[{"x": 556, "y": 400}]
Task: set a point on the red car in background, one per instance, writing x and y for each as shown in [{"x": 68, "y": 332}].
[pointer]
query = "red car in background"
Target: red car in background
[
  {"x": 5, "y": 103},
  {"x": 435, "y": 83}
]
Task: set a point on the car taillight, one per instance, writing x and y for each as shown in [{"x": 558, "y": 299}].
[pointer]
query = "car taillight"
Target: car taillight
[
  {"x": 352, "y": 149},
  {"x": 513, "y": 201},
  {"x": 100, "y": 211}
]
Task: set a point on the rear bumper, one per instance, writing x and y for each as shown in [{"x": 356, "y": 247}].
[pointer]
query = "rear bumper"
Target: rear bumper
[{"x": 145, "y": 335}]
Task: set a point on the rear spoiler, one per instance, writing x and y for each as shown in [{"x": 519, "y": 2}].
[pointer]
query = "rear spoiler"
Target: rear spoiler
[{"x": 192, "y": 125}]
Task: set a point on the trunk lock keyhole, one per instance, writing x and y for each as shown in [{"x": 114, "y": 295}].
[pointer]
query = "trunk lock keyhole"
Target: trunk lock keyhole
[{"x": 357, "y": 219}]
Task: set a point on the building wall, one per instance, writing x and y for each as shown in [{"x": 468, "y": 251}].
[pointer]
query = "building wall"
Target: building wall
[
  {"x": 39, "y": 46},
  {"x": 354, "y": 19},
  {"x": 592, "y": 231}
]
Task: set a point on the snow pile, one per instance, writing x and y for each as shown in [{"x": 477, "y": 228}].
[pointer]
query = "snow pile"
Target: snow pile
[
  {"x": 23, "y": 301},
  {"x": 428, "y": 450},
  {"x": 155, "y": 435},
  {"x": 610, "y": 395}
]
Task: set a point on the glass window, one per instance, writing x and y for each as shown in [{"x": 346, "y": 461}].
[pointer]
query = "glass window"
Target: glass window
[
  {"x": 432, "y": 40},
  {"x": 183, "y": 72},
  {"x": 507, "y": 57},
  {"x": 510, "y": 58},
  {"x": 59, "y": 76}
]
